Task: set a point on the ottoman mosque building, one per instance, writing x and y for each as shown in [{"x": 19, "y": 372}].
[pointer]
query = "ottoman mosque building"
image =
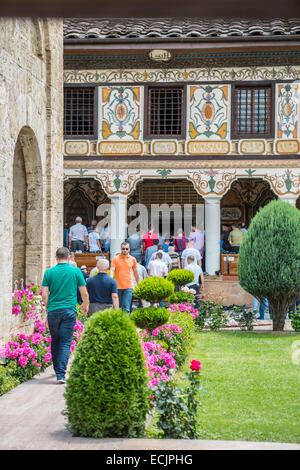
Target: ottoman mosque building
[{"x": 186, "y": 112}]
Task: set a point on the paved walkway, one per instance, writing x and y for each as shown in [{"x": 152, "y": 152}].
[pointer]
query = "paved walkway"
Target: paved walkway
[{"x": 31, "y": 417}]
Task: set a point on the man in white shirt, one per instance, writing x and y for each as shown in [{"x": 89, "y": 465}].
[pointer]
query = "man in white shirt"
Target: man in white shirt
[
  {"x": 94, "y": 241},
  {"x": 78, "y": 236},
  {"x": 157, "y": 267},
  {"x": 190, "y": 251},
  {"x": 198, "y": 274},
  {"x": 165, "y": 257},
  {"x": 105, "y": 237}
]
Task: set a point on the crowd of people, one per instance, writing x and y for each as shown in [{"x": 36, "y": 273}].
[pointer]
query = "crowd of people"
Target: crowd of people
[
  {"x": 110, "y": 286},
  {"x": 140, "y": 256}
]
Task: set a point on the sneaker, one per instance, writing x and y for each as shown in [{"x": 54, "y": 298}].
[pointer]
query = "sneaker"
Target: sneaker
[{"x": 61, "y": 381}]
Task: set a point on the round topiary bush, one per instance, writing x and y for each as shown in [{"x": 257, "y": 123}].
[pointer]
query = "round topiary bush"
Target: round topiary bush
[
  {"x": 106, "y": 393},
  {"x": 180, "y": 277},
  {"x": 150, "y": 317},
  {"x": 154, "y": 289}
]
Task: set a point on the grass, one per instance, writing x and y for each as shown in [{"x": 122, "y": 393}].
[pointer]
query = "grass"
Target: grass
[{"x": 251, "y": 388}]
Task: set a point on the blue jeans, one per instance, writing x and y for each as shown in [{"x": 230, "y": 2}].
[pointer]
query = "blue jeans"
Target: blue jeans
[
  {"x": 125, "y": 299},
  {"x": 261, "y": 307},
  {"x": 61, "y": 325}
]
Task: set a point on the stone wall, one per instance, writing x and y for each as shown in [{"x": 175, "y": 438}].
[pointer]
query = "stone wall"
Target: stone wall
[{"x": 31, "y": 103}]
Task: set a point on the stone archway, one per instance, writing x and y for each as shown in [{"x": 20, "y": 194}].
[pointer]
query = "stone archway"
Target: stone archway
[{"x": 27, "y": 197}]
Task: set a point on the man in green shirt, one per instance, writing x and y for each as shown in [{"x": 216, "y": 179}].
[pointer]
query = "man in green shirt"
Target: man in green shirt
[{"x": 59, "y": 291}]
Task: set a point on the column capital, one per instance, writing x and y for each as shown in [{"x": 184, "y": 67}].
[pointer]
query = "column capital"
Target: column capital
[
  {"x": 118, "y": 196},
  {"x": 212, "y": 199}
]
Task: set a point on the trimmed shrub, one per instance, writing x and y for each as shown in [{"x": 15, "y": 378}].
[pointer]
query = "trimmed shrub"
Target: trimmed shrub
[
  {"x": 106, "y": 393},
  {"x": 150, "y": 317},
  {"x": 154, "y": 289},
  {"x": 180, "y": 277},
  {"x": 181, "y": 298},
  {"x": 269, "y": 261},
  {"x": 8, "y": 380}
]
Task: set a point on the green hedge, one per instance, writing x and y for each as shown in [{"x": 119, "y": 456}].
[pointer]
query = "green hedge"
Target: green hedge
[
  {"x": 154, "y": 289},
  {"x": 106, "y": 393},
  {"x": 7, "y": 380},
  {"x": 150, "y": 317},
  {"x": 180, "y": 277}
]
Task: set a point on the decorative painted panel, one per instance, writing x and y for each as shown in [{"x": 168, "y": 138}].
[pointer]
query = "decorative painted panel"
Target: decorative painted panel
[
  {"x": 205, "y": 74},
  {"x": 120, "y": 113},
  {"x": 208, "y": 112},
  {"x": 288, "y": 110}
]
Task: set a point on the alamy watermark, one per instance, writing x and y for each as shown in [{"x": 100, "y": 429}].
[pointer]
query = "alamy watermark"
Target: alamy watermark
[{"x": 165, "y": 218}]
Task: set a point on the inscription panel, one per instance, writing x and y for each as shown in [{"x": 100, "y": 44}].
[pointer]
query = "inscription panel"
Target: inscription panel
[
  {"x": 202, "y": 147},
  {"x": 252, "y": 147},
  {"x": 77, "y": 147},
  {"x": 287, "y": 146},
  {"x": 164, "y": 147},
  {"x": 120, "y": 148}
]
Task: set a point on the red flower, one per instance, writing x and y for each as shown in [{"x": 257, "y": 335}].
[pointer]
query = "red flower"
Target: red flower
[{"x": 195, "y": 365}]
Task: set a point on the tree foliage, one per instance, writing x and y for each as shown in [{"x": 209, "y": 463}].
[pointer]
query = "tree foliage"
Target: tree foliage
[{"x": 269, "y": 261}]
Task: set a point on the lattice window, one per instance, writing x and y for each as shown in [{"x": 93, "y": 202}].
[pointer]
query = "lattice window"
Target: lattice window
[
  {"x": 252, "y": 115},
  {"x": 79, "y": 111},
  {"x": 165, "y": 112}
]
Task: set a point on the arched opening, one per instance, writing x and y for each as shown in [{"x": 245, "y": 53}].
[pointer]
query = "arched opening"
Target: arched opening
[
  {"x": 177, "y": 194},
  {"x": 27, "y": 200},
  {"x": 19, "y": 214},
  {"x": 82, "y": 198},
  {"x": 245, "y": 197}
]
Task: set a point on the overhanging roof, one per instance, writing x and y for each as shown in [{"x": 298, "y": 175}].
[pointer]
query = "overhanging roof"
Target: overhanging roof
[{"x": 174, "y": 29}]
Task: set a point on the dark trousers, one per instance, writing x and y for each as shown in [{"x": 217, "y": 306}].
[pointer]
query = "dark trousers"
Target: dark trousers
[
  {"x": 196, "y": 287},
  {"x": 97, "y": 307},
  {"x": 61, "y": 325},
  {"x": 77, "y": 245}
]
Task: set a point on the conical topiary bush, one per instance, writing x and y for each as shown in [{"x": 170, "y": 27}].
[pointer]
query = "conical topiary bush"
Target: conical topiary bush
[{"x": 106, "y": 393}]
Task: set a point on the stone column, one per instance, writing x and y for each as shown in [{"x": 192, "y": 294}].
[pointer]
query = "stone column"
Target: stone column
[
  {"x": 290, "y": 198},
  {"x": 212, "y": 234},
  {"x": 118, "y": 222}
]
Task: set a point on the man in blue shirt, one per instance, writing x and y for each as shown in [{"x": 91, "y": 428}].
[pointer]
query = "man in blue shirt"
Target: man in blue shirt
[{"x": 102, "y": 289}]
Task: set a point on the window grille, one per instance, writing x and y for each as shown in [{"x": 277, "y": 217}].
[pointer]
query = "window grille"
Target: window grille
[
  {"x": 252, "y": 112},
  {"x": 165, "y": 106},
  {"x": 79, "y": 111}
]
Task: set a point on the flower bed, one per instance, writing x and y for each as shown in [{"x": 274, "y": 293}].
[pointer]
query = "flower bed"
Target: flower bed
[
  {"x": 26, "y": 355},
  {"x": 165, "y": 349}
]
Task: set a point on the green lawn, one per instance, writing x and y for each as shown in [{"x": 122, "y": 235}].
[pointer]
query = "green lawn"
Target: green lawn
[{"x": 251, "y": 387}]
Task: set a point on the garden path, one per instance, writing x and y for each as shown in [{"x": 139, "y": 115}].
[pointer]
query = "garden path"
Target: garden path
[{"x": 31, "y": 418}]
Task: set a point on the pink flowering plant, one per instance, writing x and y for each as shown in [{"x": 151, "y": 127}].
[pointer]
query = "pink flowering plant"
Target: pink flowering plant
[
  {"x": 159, "y": 363},
  {"x": 29, "y": 354},
  {"x": 26, "y": 355},
  {"x": 184, "y": 307},
  {"x": 172, "y": 336},
  {"x": 28, "y": 302}
]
